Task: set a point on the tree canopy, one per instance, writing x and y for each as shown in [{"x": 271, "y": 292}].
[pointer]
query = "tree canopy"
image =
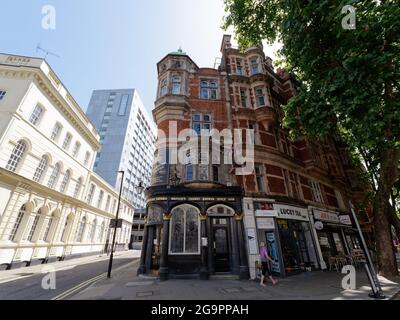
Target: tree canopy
[{"x": 348, "y": 78}]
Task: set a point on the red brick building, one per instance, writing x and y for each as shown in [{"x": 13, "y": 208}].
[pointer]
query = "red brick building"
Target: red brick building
[{"x": 202, "y": 218}]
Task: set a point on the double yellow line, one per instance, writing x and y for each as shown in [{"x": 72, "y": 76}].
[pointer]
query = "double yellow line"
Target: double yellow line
[{"x": 86, "y": 283}]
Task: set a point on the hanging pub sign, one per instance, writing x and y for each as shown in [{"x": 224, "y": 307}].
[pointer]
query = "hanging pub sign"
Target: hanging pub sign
[{"x": 291, "y": 212}]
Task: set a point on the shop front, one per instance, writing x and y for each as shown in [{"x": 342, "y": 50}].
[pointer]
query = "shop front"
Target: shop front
[
  {"x": 335, "y": 235},
  {"x": 286, "y": 231},
  {"x": 196, "y": 235}
]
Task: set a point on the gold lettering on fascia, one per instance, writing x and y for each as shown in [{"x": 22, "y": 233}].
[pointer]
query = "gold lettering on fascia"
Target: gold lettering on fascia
[
  {"x": 178, "y": 198},
  {"x": 194, "y": 199}
]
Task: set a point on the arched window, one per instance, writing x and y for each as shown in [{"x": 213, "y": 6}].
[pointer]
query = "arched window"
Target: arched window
[
  {"x": 108, "y": 203},
  {"x": 81, "y": 230},
  {"x": 32, "y": 231},
  {"x": 48, "y": 228},
  {"x": 54, "y": 176},
  {"x": 78, "y": 187},
  {"x": 16, "y": 155},
  {"x": 17, "y": 223},
  {"x": 67, "y": 225},
  {"x": 93, "y": 231},
  {"x": 65, "y": 181},
  {"x": 87, "y": 157},
  {"x": 91, "y": 193},
  {"x": 41, "y": 169},
  {"x": 176, "y": 85},
  {"x": 36, "y": 114},
  {"x": 100, "y": 199},
  {"x": 102, "y": 229},
  {"x": 184, "y": 233}
]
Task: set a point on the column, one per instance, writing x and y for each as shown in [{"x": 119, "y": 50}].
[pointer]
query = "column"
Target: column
[
  {"x": 149, "y": 247},
  {"x": 204, "y": 247},
  {"x": 142, "y": 265},
  {"x": 164, "y": 248},
  {"x": 243, "y": 267}
]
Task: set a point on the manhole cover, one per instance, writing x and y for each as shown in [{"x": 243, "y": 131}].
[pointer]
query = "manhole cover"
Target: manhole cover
[{"x": 144, "y": 294}]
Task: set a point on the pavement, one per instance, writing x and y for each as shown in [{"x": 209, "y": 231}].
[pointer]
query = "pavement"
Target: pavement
[
  {"x": 316, "y": 285},
  {"x": 70, "y": 276}
]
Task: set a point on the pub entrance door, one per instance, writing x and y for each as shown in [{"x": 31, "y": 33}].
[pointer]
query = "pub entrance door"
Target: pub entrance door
[{"x": 221, "y": 247}]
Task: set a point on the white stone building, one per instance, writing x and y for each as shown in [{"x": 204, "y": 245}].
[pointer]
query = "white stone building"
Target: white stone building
[{"x": 52, "y": 205}]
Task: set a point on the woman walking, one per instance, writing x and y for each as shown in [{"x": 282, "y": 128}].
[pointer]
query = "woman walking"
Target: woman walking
[{"x": 264, "y": 263}]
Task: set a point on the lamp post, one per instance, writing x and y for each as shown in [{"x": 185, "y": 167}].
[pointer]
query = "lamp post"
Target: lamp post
[{"x": 115, "y": 227}]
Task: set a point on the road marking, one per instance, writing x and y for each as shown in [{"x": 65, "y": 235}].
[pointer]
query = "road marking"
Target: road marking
[{"x": 86, "y": 283}]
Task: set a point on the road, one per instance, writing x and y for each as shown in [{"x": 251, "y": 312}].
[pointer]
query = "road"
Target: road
[{"x": 29, "y": 286}]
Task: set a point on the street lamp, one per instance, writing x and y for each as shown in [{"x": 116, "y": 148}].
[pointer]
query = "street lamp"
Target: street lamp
[{"x": 115, "y": 227}]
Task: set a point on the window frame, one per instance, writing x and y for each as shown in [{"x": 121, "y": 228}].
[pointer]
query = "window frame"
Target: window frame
[
  {"x": 41, "y": 168},
  {"x": 2, "y": 94},
  {"x": 185, "y": 209},
  {"x": 206, "y": 86},
  {"x": 56, "y": 134},
  {"x": 35, "y": 116},
  {"x": 17, "y": 154}
]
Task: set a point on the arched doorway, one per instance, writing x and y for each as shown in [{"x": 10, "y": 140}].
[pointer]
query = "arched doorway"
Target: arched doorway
[{"x": 223, "y": 246}]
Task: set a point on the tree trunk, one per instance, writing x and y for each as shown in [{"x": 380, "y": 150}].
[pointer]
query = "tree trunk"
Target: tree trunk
[{"x": 388, "y": 172}]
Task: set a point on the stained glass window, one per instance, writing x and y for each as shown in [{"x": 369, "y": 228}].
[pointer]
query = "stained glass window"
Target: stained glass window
[{"x": 184, "y": 233}]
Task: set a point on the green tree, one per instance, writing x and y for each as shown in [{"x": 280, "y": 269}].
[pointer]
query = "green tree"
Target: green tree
[{"x": 349, "y": 79}]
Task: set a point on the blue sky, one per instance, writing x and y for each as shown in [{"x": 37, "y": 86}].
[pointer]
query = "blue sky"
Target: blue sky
[{"x": 113, "y": 44}]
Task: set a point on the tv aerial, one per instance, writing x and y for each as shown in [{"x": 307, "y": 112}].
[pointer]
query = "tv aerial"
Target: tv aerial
[{"x": 46, "y": 52}]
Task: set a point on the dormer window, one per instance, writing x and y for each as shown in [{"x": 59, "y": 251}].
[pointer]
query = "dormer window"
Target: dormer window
[
  {"x": 176, "y": 85},
  {"x": 208, "y": 89},
  {"x": 163, "y": 88}
]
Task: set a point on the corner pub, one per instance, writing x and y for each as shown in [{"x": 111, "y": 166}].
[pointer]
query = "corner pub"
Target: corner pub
[{"x": 202, "y": 219}]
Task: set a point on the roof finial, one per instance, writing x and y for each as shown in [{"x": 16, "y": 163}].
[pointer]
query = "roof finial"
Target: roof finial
[{"x": 180, "y": 49}]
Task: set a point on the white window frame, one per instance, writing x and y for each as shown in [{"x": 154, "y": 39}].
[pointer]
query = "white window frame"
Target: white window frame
[
  {"x": 41, "y": 168},
  {"x": 55, "y": 133},
  {"x": 76, "y": 149},
  {"x": 316, "y": 191},
  {"x": 16, "y": 155},
  {"x": 67, "y": 141},
  {"x": 36, "y": 115},
  {"x": 176, "y": 85}
]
